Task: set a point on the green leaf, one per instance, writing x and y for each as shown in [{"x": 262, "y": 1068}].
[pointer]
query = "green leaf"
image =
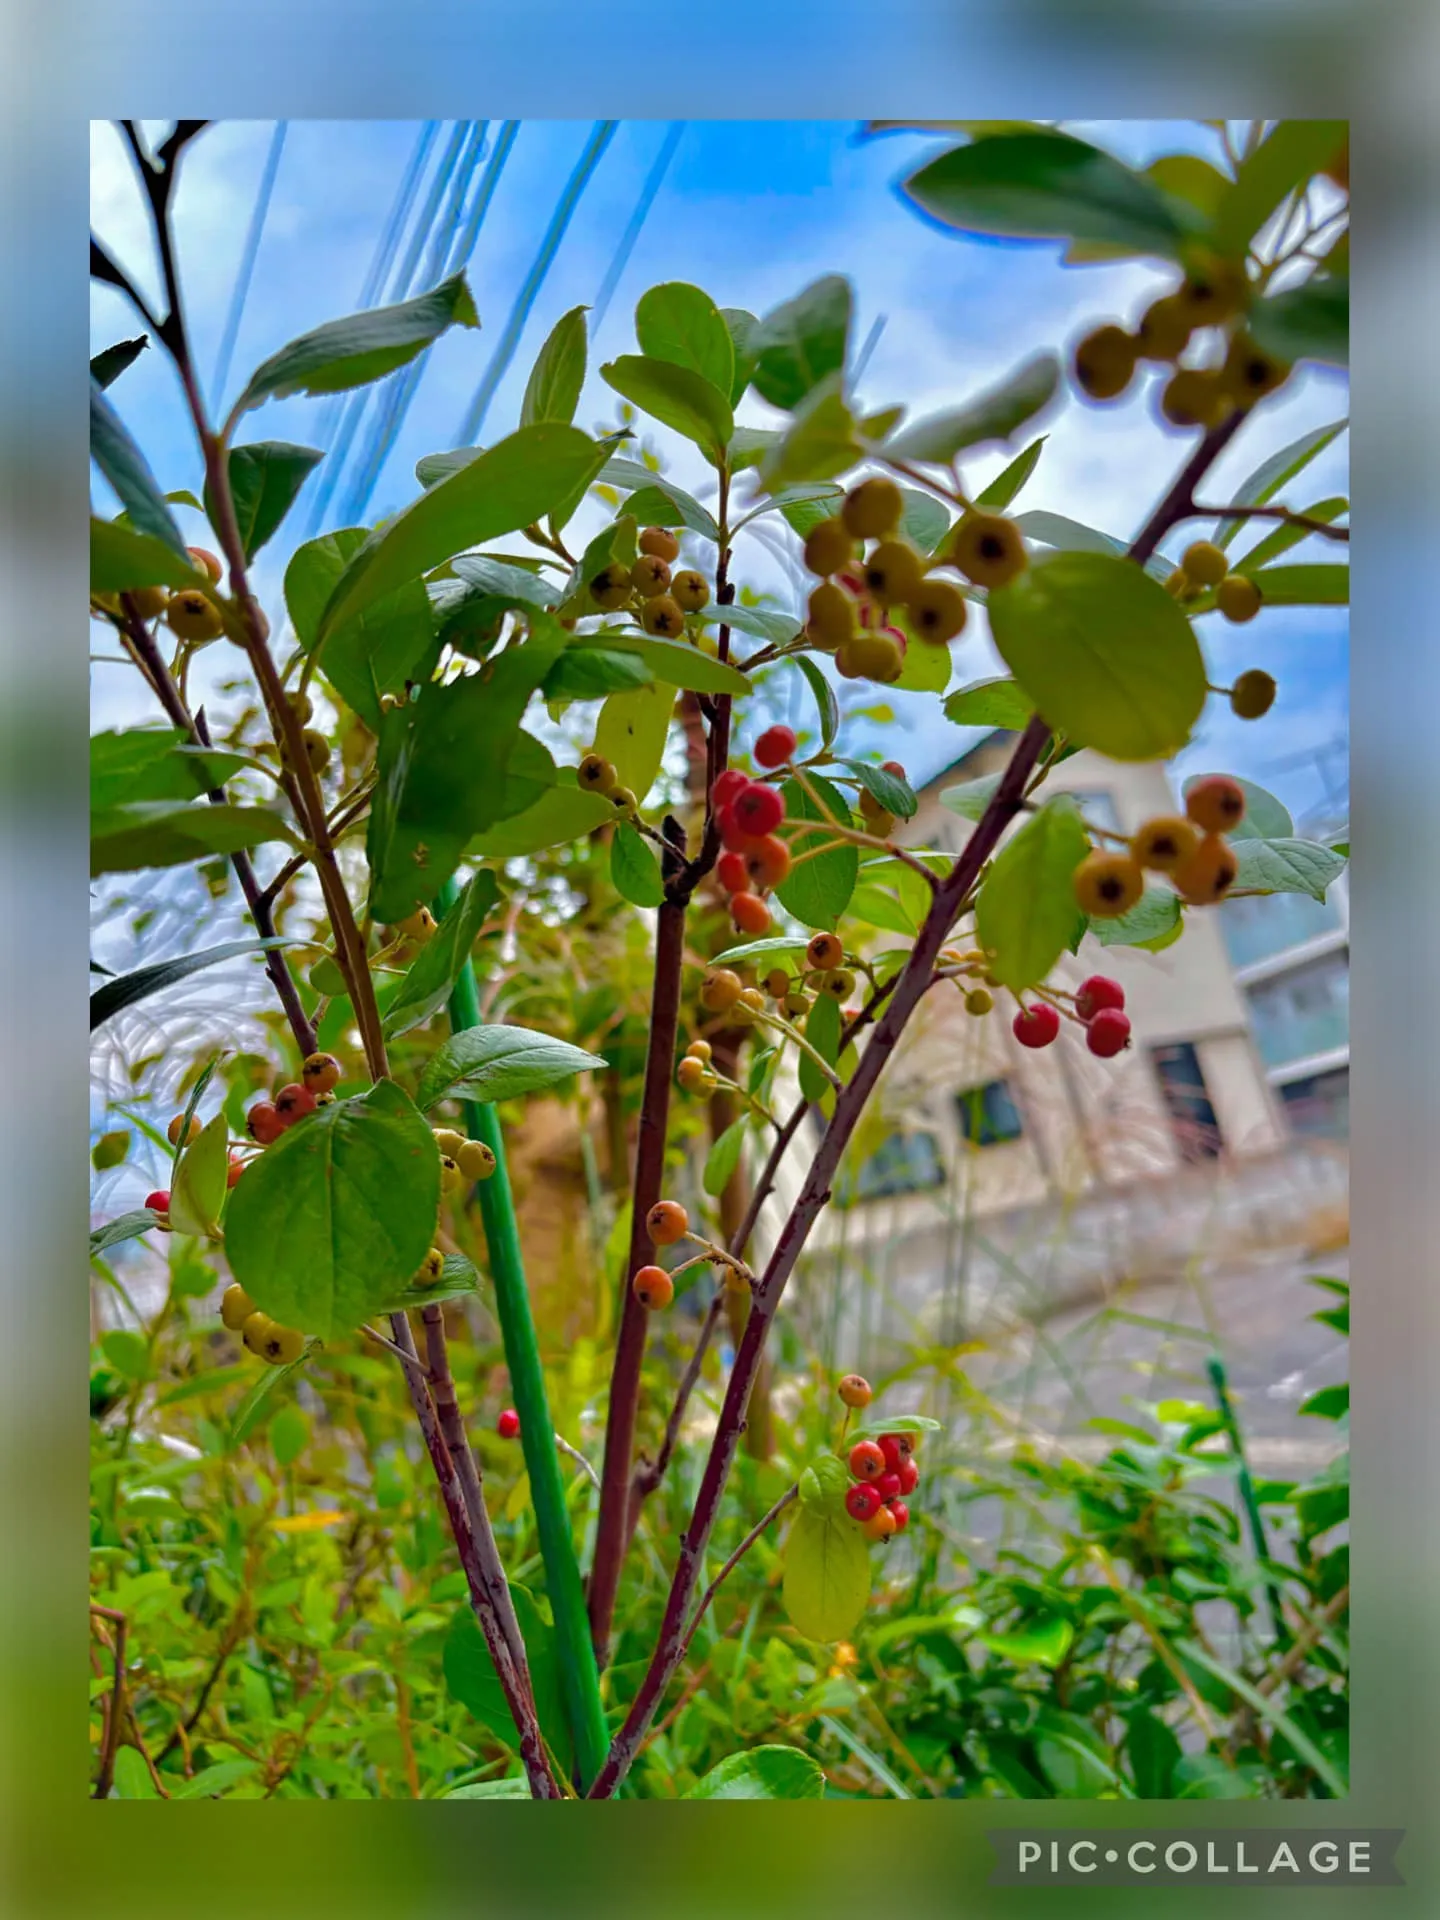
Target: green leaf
[
  {"x": 211, "y": 1782},
  {"x": 127, "y": 1352},
  {"x": 1283, "y": 537},
  {"x": 1291, "y": 154},
  {"x": 674, "y": 662},
  {"x": 1205, "y": 1776},
  {"x": 472, "y": 1680},
  {"x": 512, "y": 485},
  {"x": 288, "y": 1434},
  {"x": 749, "y": 446},
  {"x": 1266, "y": 818},
  {"x": 972, "y": 797},
  {"x": 1314, "y": 585},
  {"x": 820, "y": 442},
  {"x": 1071, "y": 536},
  {"x": 822, "y": 1030},
  {"x": 158, "y": 833},
  {"x": 662, "y": 504},
  {"x": 153, "y": 763},
  {"x": 723, "y": 1158},
  {"x": 248, "y": 1413},
  {"x": 877, "y": 908},
  {"x": 798, "y": 344},
  {"x": 121, "y": 558},
  {"x": 337, "y": 1213},
  {"x": 1286, "y": 866},
  {"x": 125, "y": 1226},
  {"x": 427, "y": 986},
  {"x": 995, "y": 415},
  {"x": 1026, "y": 911},
  {"x": 498, "y": 1063},
  {"x": 1042, "y": 1645},
  {"x": 894, "y": 794},
  {"x": 125, "y": 467},
  {"x": 513, "y": 1787},
  {"x": 823, "y": 1485},
  {"x": 679, "y": 323},
  {"x": 827, "y": 1576},
  {"x": 1267, "y": 1709},
  {"x": 1104, "y": 652},
  {"x": 776, "y": 628},
  {"x": 132, "y": 1777},
  {"x": 1050, "y": 186},
  {"x": 804, "y": 506},
  {"x": 1260, "y": 487},
  {"x": 675, "y": 396},
  {"x": 761, "y": 949},
  {"x": 763, "y": 1773},
  {"x": 817, "y": 891},
  {"x": 1330, "y": 1403},
  {"x": 1152, "y": 1750},
  {"x": 442, "y": 766},
  {"x": 197, "y": 1190},
  {"x": 458, "y": 1280},
  {"x": 631, "y": 733},
  {"x": 360, "y": 348},
  {"x": 1155, "y": 922},
  {"x": 924, "y": 521},
  {"x": 634, "y": 869},
  {"x": 825, "y": 701},
  {"x": 897, "y": 1423},
  {"x": 741, "y": 326},
  {"x": 553, "y": 390},
  {"x": 1310, "y": 322},
  {"x": 588, "y": 672},
  {"x": 990, "y": 703},
  {"x": 562, "y": 813},
  {"x": 111, "y": 362},
  {"x": 389, "y": 642},
  {"x": 926, "y": 668},
  {"x": 1007, "y": 483},
  {"x": 265, "y": 477}
]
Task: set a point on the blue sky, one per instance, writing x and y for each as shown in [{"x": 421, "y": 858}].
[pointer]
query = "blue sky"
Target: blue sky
[{"x": 751, "y": 211}]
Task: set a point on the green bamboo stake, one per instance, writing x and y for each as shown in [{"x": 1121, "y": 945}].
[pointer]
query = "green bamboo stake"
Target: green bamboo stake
[{"x": 580, "y": 1677}]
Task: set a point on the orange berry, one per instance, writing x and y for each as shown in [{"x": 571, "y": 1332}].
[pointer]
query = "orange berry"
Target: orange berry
[
  {"x": 720, "y": 989},
  {"x": 667, "y": 1222},
  {"x": 855, "y": 1390},
  {"x": 1216, "y": 804},
  {"x": 1209, "y": 873},
  {"x": 1108, "y": 884},
  {"x": 767, "y": 861},
  {"x": 659, "y": 542},
  {"x": 749, "y": 913},
  {"x": 653, "y": 1288},
  {"x": 1162, "y": 843}
]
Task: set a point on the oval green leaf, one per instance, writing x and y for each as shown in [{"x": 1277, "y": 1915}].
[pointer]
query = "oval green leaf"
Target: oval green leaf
[
  {"x": 994, "y": 415},
  {"x": 817, "y": 891},
  {"x": 634, "y": 869},
  {"x": 1026, "y": 913},
  {"x": 498, "y": 1063},
  {"x": 677, "y": 397},
  {"x": 799, "y": 343},
  {"x": 827, "y": 1575},
  {"x": 764, "y": 1773},
  {"x": 679, "y": 323},
  {"x": 553, "y": 390}
]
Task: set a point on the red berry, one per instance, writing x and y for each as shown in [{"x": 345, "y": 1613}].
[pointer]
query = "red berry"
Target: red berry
[
  {"x": 767, "y": 861},
  {"x": 1036, "y": 1025},
  {"x": 732, "y": 872},
  {"x": 264, "y": 1124},
  {"x": 909, "y": 1476},
  {"x": 893, "y": 1451},
  {"x": 292, "y": 1103},
  {"x": 894, "y": 766},
  {"x": 158, "y": 1202},
  {"x": 862, "y": 1502},
  {"x": 237, "y": 1167},
  {"x": 508, "y": 1425},
  {"x": 1097, "y": 993},
  {"x": 901, "y": 1513},
  {"x": 733, "y": 836},
  {"x": 759, "y": 810},
  {"x": 728, "y": 786},
  {"x": 1108, "y": 1033},
  {"x": 775, "y": 746},
  {"x": 888, "y": 1486},
  {"x": 749, "y": 913},
  {"x": 867, "y": 1462}
]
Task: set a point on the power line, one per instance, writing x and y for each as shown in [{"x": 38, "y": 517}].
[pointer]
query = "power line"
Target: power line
[
  {"x": 637, "y": 220},
  {"x": 600, "y": 138},
  {"x": 247, "y": 262}
]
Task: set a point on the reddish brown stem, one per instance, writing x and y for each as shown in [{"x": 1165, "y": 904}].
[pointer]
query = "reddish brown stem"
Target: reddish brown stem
[
  {"x": 786, "y": 1499},
  {"x": 104, "y": 1779}
]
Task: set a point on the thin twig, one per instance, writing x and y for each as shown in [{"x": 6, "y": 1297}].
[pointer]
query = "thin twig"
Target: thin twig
[
  {"x": 790, "y": 1495},
  {"x": 1324, "y": 528},
  {"x": 105, "y": 1778}
]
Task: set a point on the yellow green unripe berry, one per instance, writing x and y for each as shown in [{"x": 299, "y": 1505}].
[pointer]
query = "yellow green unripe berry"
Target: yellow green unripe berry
[
  {"x": 978, "y": 1001},
  {"x": 610, "y": 588},
  {"x": 872, "y": 509},
  {"x": 449, "y": 1174},
  {"x": 431, "y": 1269},
  {"x": 1253, "y": 694},
  {"x": 660, "y": 543},
  {"x": 1238, "y": 597},
  {"x": 236, "y": 1307},
  {"x": 988, "y": 549},
  {"x": 475, "y": 1160},
  {"x": 595, "y": 774},
  {"x": 1105, "y": 363},
  {"x": 663, "y": 617},
  {"x": 936, "y": 611},
  {"x": 649, "y": 576},
  {"x": 193, "y": 615},
  {"x": 1205, "y": 563},
  {"x": 893, "y": 571},
  {"x": 690, "y": 590},
  {"x": 1195, "y": 397},
  {"x": 448, "y": 1140},
  {"x": 831, "y": 616},
  {"x": 829, "y": 547},
  {"x": 1164, "y": 330}
]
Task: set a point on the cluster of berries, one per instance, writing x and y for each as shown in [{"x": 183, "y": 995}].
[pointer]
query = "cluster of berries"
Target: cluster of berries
[
  {"x": 1100, "y": 1009},
  {"x": 1238, "y": 597},
  {"x": 660, "y": 598},
  {"x": 1201, "y": 865},
  {"x": 1211, "y": 296},
  {"x": 847, "y": 613},
  {"x": 884, "y": 1472},
  {"x": 262, "y": 1335},
  {"x": 596, "y": 774},
  {"x": 460, "y": 1160},
  {"x": 267, "y": 1120},
  {"x": 747, "y": 812},
  {"x": 666, "y": 1223}
]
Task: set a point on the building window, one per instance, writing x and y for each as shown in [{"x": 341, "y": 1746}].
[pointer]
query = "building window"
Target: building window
[
  {"x": 1304, "y": 1012},
  {"x": 1259, "y": 925},
  {"x": 988, "y": 1114},
  {"x": 1182, "y": 1087},
  {"x": 1319, "y": 1105},
  {"x": 905, "y": 1163}
]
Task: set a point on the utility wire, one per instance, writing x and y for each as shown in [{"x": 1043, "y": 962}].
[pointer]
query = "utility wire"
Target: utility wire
[
  {"x": 637, "y": 220},
  {"x": 247, "y": 264}
]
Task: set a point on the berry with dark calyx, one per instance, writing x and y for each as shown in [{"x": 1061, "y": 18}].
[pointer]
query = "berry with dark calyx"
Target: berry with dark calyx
[
  {"x": 475, "y": 1160},
  {"x": 418, "y": 926},
  {"x": 1250, "y": 373},
  {"x": 263, "y": 1124},
  {"x": 758, "y": 810},
  {"x": 1252, "y": 695},
  {"x": 1108, "y": 1033},
  {"x": 829, "y": 546},
  {"x": 1036, "y": 1025},
  {"x": 449, "y": 1174},
  {"x": 906, "y": 1443},
  {"x": 1238, "y": 598},
  {"x": 866, "y": 1461},
  {"x": 622, "y": 799},
  {"x": 1164, "y": 330},
  {"x": 862, "y": 1502},
  {"x": 720, "y": 989},
  {"x": 893, "y": 571},
  {"x": 431, "y": 1270},
  {"x": 207, "y": 562},
  {"x": 778, "y": 983},
  {"x": 321, "y": 1072},
  {"x": 749, "y": 914},
  {"x": 1108, "y": 884},
  {"x": 855, "y": 1390},
  {"x": 659, "y": 542},
  {"x": 1209, "y": 873},
  {"x": 690, "y": 590},
  {"x": 649, "y": 577},
  {"x": 508, "y": 1425},
  {"x": 1105, "y": 363},
  {"x": 254, "y": 1330},
  {"x": 1162, "y": 843},
  {"x": 667, "y": 1222},
  {"x": 293, "y": 1102},
  {"x": 909, "y": 1476},
  {"x": 825, "y": 952},
  {"x": 840, "y": 984},
  {"x": 177, "y": 1126},
  {"x": 317, "y": 750},
  {"x": 653, "y": 1288},
  {"x": 872, "y": 656},
  {"x": 775, "y": 746},
  {"x": 900, "y": 1513},
  {"x": 611, "y": 588},
  {"x": 236, "y": 1307},
  {"x": 281, "y": 1346},
  {"x": 1204, "y": 563},
  {"x": 797, "y": 1004},
  {"x": 663, "y": 617},
  {"x": 767, "y": 861},
  {"x": 1213, "y": 291},
  {"x": 1196, "y": 397},
  {"x": 872, "y": 509},
  {"x": 979, "y": 1001},
  {"x": 728, "y": 786},
  {"x": 1096, "y": 994},
  {"x": 831, "y": 620},
  {"x": 159, "y": 1202},
  {"x": 881, "y": 1524},
  {"x": 692, "y": 1074},
  {"x": 1216, "y": 804},
  {"x": 448, "y": 1140},
  {"x": 193, "y": 615},
  {"x": 937, "y": 611},
  {"x": 988, "y": 549},
  {"x": 595, "y": 774}
]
